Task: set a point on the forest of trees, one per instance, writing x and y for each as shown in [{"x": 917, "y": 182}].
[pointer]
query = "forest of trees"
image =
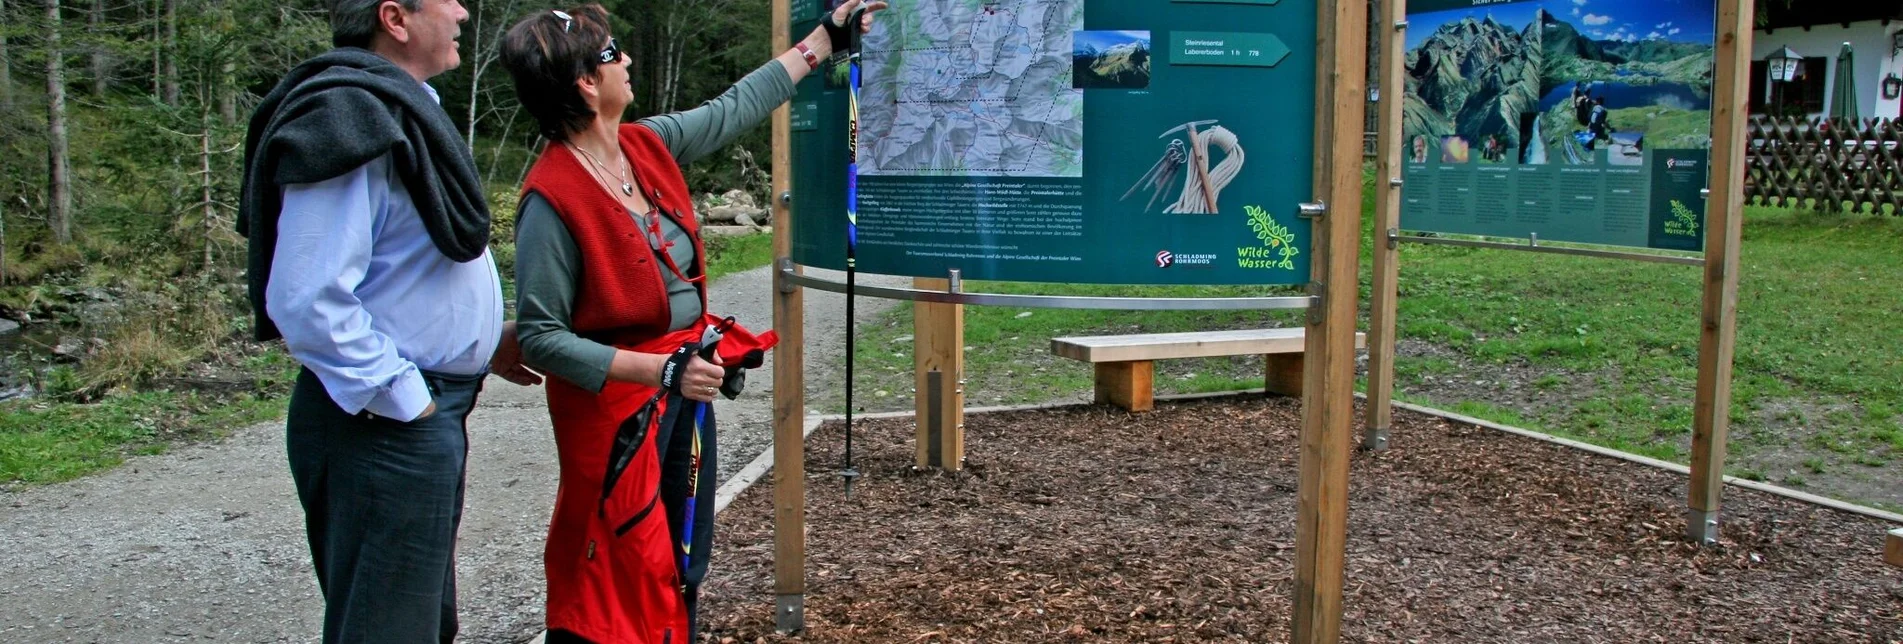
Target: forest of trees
[
  {"x": 122, "y": 119},
  {"x": 121, "y": 132}
]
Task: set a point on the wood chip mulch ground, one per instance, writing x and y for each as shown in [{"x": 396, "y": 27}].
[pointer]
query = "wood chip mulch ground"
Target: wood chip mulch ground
[{"x": 1092, "y": 524}]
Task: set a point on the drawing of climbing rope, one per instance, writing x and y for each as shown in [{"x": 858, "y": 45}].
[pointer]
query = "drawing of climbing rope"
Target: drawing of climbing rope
[{"x": 1202, "y": 185}]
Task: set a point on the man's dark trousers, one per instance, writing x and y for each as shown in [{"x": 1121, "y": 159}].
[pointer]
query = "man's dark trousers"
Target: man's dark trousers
[{"x": 382, "y": 502}]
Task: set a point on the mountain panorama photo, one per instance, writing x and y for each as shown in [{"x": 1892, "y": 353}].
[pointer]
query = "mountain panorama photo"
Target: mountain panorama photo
[{"x": 1558, "y": 81}]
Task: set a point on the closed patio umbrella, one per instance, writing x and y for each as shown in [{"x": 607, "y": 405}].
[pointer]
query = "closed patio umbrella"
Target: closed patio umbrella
[{"x": 1843, "y": 93}]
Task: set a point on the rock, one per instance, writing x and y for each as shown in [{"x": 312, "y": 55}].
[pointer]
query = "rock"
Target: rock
[
  {"x": 733, "y": 214},
  {"x": 69, "y": 349},
  {"x": 738, "y": 197},
  {"x": 8, "y": 326}
]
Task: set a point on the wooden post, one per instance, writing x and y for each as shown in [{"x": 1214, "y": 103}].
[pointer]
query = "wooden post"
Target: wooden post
[
  {"x": 1130, "y": 384},
  {"x": 1893, "y": 548},
  {"x": 1387, "y": 213},
  {"x": 1724, "y": 227},
  {"x": 1328, "y": 393},
  {"x": 789, "y": 387},
  {"x": 1283, "y": 374},
  {"x": 938, "y": 332}
]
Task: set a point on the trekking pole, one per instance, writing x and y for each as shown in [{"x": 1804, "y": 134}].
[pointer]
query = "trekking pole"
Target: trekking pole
[{"x": 852, "y": 223}]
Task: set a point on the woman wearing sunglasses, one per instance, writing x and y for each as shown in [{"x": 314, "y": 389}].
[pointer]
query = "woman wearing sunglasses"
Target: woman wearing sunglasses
[{"x": 611, "y": 302}]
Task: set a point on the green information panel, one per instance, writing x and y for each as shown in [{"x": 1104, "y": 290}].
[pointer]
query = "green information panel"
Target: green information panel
[
  {"x": 1580, "y": 122},
  {"x": 1069, "y": 141}
]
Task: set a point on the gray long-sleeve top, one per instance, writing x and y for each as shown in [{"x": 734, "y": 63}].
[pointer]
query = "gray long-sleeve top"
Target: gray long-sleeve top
[{"x": 548, "y": 263}]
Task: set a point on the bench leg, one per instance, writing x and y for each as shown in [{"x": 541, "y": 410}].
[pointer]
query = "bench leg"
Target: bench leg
[
  {"x": 1284, "y": 374},
  {"x": 1126, "y": 384}
]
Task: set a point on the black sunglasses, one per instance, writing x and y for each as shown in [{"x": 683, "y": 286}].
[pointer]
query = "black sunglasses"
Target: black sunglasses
[
  {"x": 612, "y": 53},
  {"x": 609, "y": 55}
]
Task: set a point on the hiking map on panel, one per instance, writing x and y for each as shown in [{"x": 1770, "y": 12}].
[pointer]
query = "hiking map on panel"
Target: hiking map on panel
[{"x": 1088, "y": 141}]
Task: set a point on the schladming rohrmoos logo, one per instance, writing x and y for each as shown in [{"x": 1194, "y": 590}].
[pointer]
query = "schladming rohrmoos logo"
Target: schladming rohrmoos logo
[{"x": 1164, "y": 258}]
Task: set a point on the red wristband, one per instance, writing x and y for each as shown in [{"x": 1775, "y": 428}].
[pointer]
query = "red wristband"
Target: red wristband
[{"x": 812, "y": 61}]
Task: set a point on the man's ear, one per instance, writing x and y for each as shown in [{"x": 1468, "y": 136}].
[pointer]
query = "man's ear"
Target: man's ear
[{"x": 393, "y": 20}]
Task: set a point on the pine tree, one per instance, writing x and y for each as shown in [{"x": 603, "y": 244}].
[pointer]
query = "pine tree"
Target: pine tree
[{"x": 59, "y": 200}]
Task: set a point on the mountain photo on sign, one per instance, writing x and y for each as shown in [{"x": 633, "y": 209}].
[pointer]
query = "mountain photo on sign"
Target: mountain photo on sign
[
  {"x": 1563, "y": 81},
  {"x": 1110, "y": 59},
  {"x": 1627, "y": 75}
]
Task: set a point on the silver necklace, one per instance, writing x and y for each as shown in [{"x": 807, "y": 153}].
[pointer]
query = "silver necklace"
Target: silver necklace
[{"x": 627, "y": 187}]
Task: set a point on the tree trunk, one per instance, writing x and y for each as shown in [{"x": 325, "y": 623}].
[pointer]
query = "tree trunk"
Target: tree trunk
[
  {"x": 59, "y": 198},
  {"x": 475, "y": 75},
  {"x": 158, "y": 35},
  {"x": 228, "y": 93},
  {"x": 204, "y": 179},
  {"x": 168, "y": 74},
  {"x": 6, "y": 65},
  {"x": 495, "y": 159},
  {"x": 95, "y": 22},
  {"x": 2, "y": 242},
  {"x": 483, "y": 53}
]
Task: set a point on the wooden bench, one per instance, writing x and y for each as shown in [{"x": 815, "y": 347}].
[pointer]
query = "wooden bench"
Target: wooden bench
[{"x": 1125, "y": 363}]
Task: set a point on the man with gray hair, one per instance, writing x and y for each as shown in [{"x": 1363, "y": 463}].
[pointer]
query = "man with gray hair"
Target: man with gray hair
[{"x": 368, "y": 233}]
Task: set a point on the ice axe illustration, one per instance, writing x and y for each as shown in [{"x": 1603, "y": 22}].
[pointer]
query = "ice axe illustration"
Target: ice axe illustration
[
  {"x": 1198, "y": 156},
  {"x": 1160, "y": 176},
  {"x": 1191, "y": 126}
]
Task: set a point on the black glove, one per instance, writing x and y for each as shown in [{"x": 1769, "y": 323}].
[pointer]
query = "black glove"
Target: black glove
[
  {"x": 842, "y": 35},
  {"x": 736, "y": 379}
]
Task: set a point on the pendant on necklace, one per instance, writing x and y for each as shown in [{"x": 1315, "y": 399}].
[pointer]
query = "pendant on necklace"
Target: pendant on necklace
[{"x": 627, "y": 189}]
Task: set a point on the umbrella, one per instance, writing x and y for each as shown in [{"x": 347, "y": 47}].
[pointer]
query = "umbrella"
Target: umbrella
[{"x": 1843, "y": 95}]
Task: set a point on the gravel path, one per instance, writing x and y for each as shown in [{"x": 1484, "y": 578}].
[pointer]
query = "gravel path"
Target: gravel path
[{"x": 206, "y": 543}]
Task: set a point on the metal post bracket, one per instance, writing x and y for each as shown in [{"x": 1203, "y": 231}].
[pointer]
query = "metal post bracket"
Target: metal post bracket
[
  {"x": 782, "y": 274},
  {"x": 1315, "y": 290}
]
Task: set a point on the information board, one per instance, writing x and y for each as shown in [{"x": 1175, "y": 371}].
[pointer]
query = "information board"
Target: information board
[
  {"x": 1572, "y": 120},
  {"x": 1087, "y": 141}
]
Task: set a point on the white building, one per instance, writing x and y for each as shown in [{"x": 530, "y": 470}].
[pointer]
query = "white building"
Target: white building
[{"x": 1817, "y": 31}]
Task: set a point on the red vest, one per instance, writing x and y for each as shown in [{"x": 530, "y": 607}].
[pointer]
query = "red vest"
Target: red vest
[{"x": 620, "y": 298}]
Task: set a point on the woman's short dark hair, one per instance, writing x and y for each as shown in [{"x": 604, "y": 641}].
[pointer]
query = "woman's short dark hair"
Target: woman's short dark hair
[{"x": 546, "y": 54}]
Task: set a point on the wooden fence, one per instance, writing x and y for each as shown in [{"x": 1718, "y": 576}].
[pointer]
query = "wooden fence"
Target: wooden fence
[{"x": 1833, "y": 165}]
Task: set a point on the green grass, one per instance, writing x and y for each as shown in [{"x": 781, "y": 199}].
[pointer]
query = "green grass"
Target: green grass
[
  {"x": 61, "y": 441},
  {"x": 1817, "y": 311},
  {"x": 728, "y": 254},
  {"x": 1598, "y": 350},
  {"x": 47, "y": 441}
]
